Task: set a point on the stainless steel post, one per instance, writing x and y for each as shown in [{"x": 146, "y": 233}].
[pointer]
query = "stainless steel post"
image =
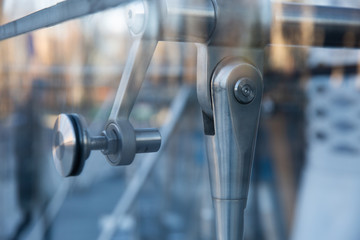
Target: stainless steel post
[{"x": 231, "y": 147}]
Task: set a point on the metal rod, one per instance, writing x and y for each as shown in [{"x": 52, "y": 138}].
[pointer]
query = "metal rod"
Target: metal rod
[
  {"x": 147, "y": 140},
  {"x": 56, "y": 14},
  {"x": 136, "y": 66},
  {"x": 142, "y": 173},
  {"x": 310, "y": 25},
  {"x": 98, "y": 143},
  {"x": 54, "y": 206}
]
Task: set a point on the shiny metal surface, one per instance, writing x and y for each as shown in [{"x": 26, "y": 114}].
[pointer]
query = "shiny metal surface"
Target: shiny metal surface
[
  {"x": 188, "y": 20},
  {"x": 231, "y": 149},
  {"x": 98, "y": 143},
  {"x": 147, "y": 140},
  {"x": 203, "y": 75},
  {"x": 143, "y": 22},
  {"x": 229, "y": 218},
  {"x": 119, "y": 143},
  {"x": 72, "y": 144},
  {"x": 132, "y": 78},
  {"x": 241, "y": 23},
  {"x": 66, "y": 147},
  {"x": 139, "y": 58},
  {"x": 208, "y": 58},
  {"x": 192, "y": 21}
]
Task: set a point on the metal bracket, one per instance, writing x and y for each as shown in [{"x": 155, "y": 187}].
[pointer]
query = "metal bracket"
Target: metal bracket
[
  {"x": 119, "y": 141},
  {"x": 231, "y": 148},
  {"x": 229, "y": 92}
]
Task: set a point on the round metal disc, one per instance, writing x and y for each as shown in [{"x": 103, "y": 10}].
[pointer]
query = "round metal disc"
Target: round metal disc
[
  {"x": 245, "y": 90},
  {"x": 65, "y": 145}
]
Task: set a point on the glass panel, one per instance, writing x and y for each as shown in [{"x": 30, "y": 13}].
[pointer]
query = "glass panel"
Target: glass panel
[{"x": 305, "y": 175}]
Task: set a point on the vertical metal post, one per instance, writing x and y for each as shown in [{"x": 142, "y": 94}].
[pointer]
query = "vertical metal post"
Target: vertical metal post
[{"x": 236, "y": 93}]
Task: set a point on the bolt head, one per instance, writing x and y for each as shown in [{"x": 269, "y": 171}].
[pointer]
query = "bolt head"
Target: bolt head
[
  {"x": 245, "y": 90},
  {"x": 135, "y": 17}
]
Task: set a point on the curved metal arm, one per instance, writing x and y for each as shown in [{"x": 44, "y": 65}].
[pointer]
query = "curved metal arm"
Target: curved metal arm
[{"x": 139, "y": 59}]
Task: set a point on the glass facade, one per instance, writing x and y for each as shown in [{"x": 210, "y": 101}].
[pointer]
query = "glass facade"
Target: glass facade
[{"x": 305, "y": 176}]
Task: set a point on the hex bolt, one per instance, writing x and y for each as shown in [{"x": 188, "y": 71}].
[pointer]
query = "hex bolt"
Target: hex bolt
[{"x": 245, "y": 90}]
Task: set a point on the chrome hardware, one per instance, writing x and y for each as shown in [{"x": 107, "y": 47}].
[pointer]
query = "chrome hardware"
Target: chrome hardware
[
  {"x": 231, "y": 148},
  {"x": 120, "y": 142},
  {"x": 229, "y": 89}
]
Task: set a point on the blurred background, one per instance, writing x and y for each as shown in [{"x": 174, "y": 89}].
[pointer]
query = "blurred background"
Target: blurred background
[{"x": 306, "y": 175}]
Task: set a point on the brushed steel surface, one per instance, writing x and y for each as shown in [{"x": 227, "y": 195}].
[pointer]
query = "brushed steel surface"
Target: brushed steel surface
[
  {"x": 188, "y": 20},
  {"x": 147, "y": 140},
  {"x": 230, "y": 150},
  {"x": 229, "y": 219},
  {"x": 140, "y": 56}
]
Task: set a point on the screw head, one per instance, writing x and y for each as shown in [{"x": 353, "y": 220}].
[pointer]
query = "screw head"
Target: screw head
[{"x": 245, "y": 90}]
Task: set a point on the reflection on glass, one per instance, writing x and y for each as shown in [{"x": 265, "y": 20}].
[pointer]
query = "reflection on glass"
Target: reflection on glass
[{"x": 305, "y": 175}]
